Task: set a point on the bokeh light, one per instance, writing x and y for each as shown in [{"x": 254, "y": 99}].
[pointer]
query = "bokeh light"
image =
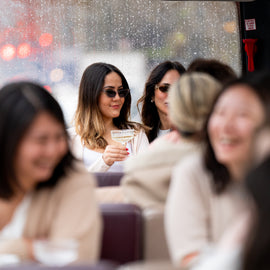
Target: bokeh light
[
  {"x": 230, "y": 27},
  {"x": 23, "y": 50},
  {"x": 48, "y": 88},
  {"x": 45, "y": 39},
  {"x": 56, "y": 75},
  {"x": 8, "y": 52}
]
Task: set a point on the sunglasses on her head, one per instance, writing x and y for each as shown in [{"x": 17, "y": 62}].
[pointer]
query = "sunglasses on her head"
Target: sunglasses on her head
[
  {"x": 163, "y": 88},
  {"x": 112, "y": 93}
]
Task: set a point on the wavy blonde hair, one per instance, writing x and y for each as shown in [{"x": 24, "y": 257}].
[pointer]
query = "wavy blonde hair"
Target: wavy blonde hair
[{"x": 190, "y": 101}]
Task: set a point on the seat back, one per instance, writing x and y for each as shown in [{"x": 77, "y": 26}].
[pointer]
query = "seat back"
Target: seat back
[
  {"x": 155, "y": 245},
  {"x": 33, "y": 266},
  {"x": 122, "y": 233},
  {"x": 105, "y": 179}
]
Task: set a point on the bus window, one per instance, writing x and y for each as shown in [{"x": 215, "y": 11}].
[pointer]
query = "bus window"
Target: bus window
[{"x": 53, "y": 41}]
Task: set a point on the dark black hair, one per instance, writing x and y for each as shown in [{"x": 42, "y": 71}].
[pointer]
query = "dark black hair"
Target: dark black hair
[
  {"x": 260, "y": 83},
  {"x": 220, "y": 71},
  {"x": 149, "y": 113},
  {"x": 20, "y": 103},
  {"x": 256, "y": 253}
]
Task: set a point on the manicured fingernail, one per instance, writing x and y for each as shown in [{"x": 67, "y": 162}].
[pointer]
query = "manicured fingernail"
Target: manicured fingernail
[
  {"x": 128, "y": 153},
  {"x": 127, "y": 149}
]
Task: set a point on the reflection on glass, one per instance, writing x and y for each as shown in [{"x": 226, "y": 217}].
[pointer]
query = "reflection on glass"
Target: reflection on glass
[{"x": 53, "y": 41}]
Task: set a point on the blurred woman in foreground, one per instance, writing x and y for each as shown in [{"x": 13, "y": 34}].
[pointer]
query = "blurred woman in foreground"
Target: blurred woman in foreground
[
  {"x": 207, "y": 193},
  {"x": 44, "y": 193},
  {"x": 245, "y": 245}
]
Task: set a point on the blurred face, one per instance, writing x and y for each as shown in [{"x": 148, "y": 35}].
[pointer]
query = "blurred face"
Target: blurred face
[
  {"x": 41, "y": 149},
  {"x": 110, "y": 107},
  {"x": 161, "y": 98},
  {"x": 232, "y": 125}
]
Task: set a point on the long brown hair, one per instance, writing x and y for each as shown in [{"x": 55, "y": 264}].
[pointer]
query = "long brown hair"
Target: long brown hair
[
  {"x": 89, "y": 124},
  {"x": 149, "y": 113}
]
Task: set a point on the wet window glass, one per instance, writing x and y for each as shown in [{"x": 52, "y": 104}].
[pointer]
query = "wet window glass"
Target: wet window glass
[{"x": 52, "y": 42}]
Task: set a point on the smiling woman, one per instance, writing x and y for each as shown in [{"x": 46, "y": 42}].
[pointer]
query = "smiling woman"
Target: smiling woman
[
  {"x": 44, "y": 145},
  {"x": 231, "y": 127},
  {"x": 210, "y": 185},
  {"x": 104, "y": 105},
  {"x": 42, "y": 188}
]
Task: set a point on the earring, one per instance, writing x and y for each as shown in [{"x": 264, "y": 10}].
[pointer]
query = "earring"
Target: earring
[{"x": 152, "y": 101}]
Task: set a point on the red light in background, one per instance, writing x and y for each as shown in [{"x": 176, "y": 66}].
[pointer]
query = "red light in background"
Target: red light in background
[
  {"x": 48, "y": 88},
  {"x": 8, "y": 52},
  {"x": 23, "y": 50},
  {"x": 45, "y": 39}
]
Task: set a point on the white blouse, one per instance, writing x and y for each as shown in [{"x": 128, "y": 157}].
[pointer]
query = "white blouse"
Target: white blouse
[
  {"x": 90, "y": 156},
  {"x": 94, "y": 159},
  {"x": 162, "y": 132},
  {"x": 14, "y": 229}
]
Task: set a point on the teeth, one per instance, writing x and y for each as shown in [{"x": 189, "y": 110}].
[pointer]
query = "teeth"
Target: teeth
[{"x": 226, "y": 141}]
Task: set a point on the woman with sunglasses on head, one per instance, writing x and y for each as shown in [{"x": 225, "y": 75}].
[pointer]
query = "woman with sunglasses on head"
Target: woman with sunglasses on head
[
  {"x": 45, "y": 194},
  {"x": 104, "y": 105},
  {"x": 154, "y": 111}
]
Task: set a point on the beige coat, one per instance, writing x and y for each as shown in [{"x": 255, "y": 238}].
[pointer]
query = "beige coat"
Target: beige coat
[
  {"x": 195, "y": 216},
  {"x": 148, "y": 175},
  {"x": 67, "y": 211}
]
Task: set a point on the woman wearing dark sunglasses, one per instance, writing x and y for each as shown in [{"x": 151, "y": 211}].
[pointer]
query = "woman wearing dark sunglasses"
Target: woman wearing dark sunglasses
[
  {"x": 154, "y": 110},
  {"x": 104, "y": 105}
]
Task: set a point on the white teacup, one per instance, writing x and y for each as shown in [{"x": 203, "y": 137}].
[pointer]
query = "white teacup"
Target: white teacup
[
  {"x": 9, "y": 259},
  {"x": 55, "y": 252}
]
